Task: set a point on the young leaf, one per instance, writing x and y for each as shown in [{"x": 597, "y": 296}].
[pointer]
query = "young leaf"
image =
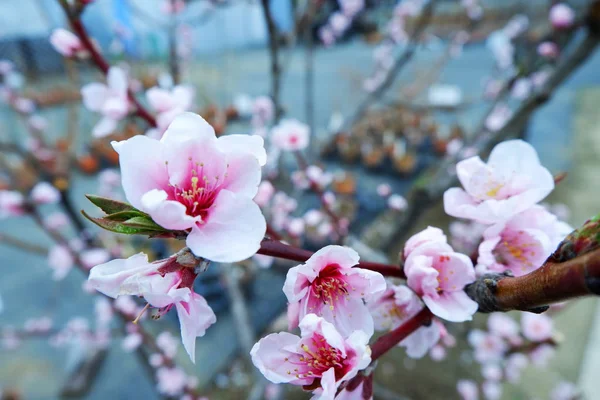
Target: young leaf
[
  {"x": 124, "y": 227},
  {"x": 109, "y": 206}
]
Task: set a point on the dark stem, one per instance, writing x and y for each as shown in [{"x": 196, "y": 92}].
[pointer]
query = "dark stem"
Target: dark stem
[{"x": 274, "y": 54}]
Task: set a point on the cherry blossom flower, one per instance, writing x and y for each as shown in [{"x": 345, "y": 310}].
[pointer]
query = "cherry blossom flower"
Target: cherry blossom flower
[
  {"x": 170, "y": 103},
  {"x": 521, "y": 88},
  {"x": 60, "y": 259},
  {"x": 514, "y": 366},
  {"x": 561, "y": 16},
  {"x": 444, "y": 95},
  {"x": 428, "y": 235},
  {"x": 11, "y": 203},
  {"x": 491, "y": 390},
  {"x": 522, "y": 243},
  {"x": 438, "y": 274},
  {"x": 541, "y": 355},
  {"x": 351, "y": 7},
  {"x": 264, "y": 194},
  {"x": 565, "y": 391},
  {"x": 498, "y": 117},
  {"x": 548, "y": 50},
  {"x": 397, "y": 202},
  {"x": 263, "y": 111},
  {"x": 501, "y": 47},
  {"x": 320, "y": 358},
  {"x": 67, "y": 43},
  {"x": 108, "y": 99},
  {"x": 171, "y": 381},
  {"x": 162, "y": 284},
  {"x": 291, "y": 135},
  {"x": 329, "y": 286},
  {"x": 503, "y": 325},
  {"x": 44, "y": 193},
  {"x": 512, "y": 181},
  {"x": 536, "y": 327},
  {"x": 467, "y": 389},
  {"x": 384, "y": 189},
  {"x": 488, "y": 347},
  {"x": 196, "y": 181}
]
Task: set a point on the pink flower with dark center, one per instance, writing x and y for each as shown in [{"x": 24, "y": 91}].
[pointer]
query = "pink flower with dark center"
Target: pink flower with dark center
[
  {"x": 512, "y": 181},
  {"x": 561, "y": 16},
  {"x": 330, "y": 286},
  {"x": 163, "y": 284},
  {"x": 522, "y": 243},
  {"x": 196, "y": 182},
  {"x": 320, "y": 360},
  {"x": 291, "y": 135},
  {"x": 439, "y": 274},
  {"x": 108, "y": 99},
  {"x": 67, "y": 43}
]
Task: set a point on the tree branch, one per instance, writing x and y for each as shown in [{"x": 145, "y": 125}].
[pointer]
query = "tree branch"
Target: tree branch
[{"x": 274, "y": 54}]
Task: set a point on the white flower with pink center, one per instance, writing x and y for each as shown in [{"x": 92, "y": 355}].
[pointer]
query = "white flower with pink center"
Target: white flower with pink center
[
  {"x": 108, "y": 99},
  {"x": 330, "y": 286},
  {"x": 170, "y": 103},
  {"x": 522, "y": 243},
  {"x": 512, "y": 181},
  {"x": 195, "y": 182},
  {"x": 291, "y": 135},
  {"x": 163, "y": 284},
  {"x": 439, "y": 274},
  {"x": 320, "y": 360}
]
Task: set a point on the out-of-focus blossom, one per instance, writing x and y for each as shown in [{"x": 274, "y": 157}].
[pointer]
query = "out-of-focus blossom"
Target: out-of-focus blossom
[
  {"x": 92, "y": 257},
  {"x": 439, "y": 274},
  {"x": 536, "y": 327},
  {"x": 397, "y": 202},
  {"x": 108, "y": 99},
  {"x": 521, "y": 88},
  {"x": 11, "y": 203},
  {"x": 44, "y": 193},
  {"x": 498, "y": 117},
  {"x": 444, "y": 95},
  {"x": 467, "y": 389},
  {"x": 515, "y": 363},
  {"x": 561, "y": 16},
  {"x": 60, "y": 259},
  {"x": 384, "y": 190},
  {"x": 548, "y": 49},
  {"x": 170, "y": 103},
  {"x": 488, "y": 347},
  {"x": 197, "y": 181},
  {"x": 263, "y": 111},
  {"x": 264, "y": 194},
  {"x": 565, "y": 391},
  {"x": 171, "y": 381},
  {"x": 501, "y": 47},
  {"x": 503, "y": 325},
  {"x": 172, "y": 7},
  {"x": 329, "y": 286},
  {"x": 491, "y": 390},
  {"x": 512, "y": 181},
  {"x": 321, "y": 357},
  {"x": 351, "y": 7},
  {"x": 291, "y": 135},
  {"x": 67, "y": 43}
]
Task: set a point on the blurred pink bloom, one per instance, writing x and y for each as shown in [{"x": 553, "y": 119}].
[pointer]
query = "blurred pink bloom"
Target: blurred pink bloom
[
  {"x": 162, "y": 284},
  {"x": 503, "y": 325},
  {"x": 491, "y": 390},
  {"x": 263, "y": 111},
  {"x": 565, "y": 391},
  {"x": 397, "y": 202},
  {"x": 521, "y": 88},
  {"x": 491, "y": 372},
  {"x": 67, "y": 43},
  {"x": 60, "y": 259},
  {"x": 438, "y": 274},
  {"x": 291, "y": 135},
  {"x": 522, "y": 243},
  {"x": 167, "y": 343},
  {"x": 358, "y": 393},
  {"x": 171, "y": 381},
  {"x": 197, "y": 181},
  {"x": 499, "y": 43},
  {"x": 296, "y": 227},
  {"x": 467, "y": 389},
  {"x": 131, "y": 342},
  {"x": 24, "y": 105},
  {"x": 326, "y": 35},
  {"x": 44, "y": 193},
  {"x": 541, "y": 355},
  {"x": 561, "y": 16},
  {"x": 515, "y": 363},
  {"x": 316, "y": 175},
  {"x": 329, "y": 286},
  {"x": 264, "y": 194},
  {"x": 172, "y": 7},
  {"x": 488, "y": 347},
  {"x": 536, "y": 327},
  {"x": 263, "y": 261},
  {"x": 548, "y": 50},
  {"x": 351, "y": 7},
  {"x": 11, "y": 203},
  {"x": 512, "y": 181},
  {"x": 339, "y": 22},
  {"x": 170, "y": 103},
  {"x": 108, "y": 99},
  {"x": 498, "y": 117},
  {"x": 384, "y": 190},
  {"x": 320, "y": 356},
  {"x": 426, "y": 236},
  {"x": 92, "y": 257}
]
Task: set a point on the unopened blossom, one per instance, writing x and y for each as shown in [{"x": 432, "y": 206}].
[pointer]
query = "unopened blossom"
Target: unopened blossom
[
  {"x": 536, "y": 327},
  {"x": 397, "y": 202},
  {"x": 439, "y": 274},
  {"x": 263, "y": 111},
  {"x": 384, "y": 189},
  {"x": 11, "y": 203},
  {"x": 290, "y": 135},
  {"x": 171, "y": 381},
  {"x": 331, "y": 286},
  {"x": 522, "y": 243},
  {"x": 170, "y": 103},
  {"x": 196, "y": 181},
  {"x": 488, "y": 347},
  {"x": 67, "y": 43},
  {"x": 548, "y": 49},
  {"x": 44, "y": 193},
  {"x": 60, "y": 259},
  {"x": 467, "y": 389},
  {"x": 321, "y": 357},
  {"x": 512, "y": 181},
  {"x": 110, "y": 100},
  {"x": 561, "y": 16},
  {"x": 163, "y": 284}
]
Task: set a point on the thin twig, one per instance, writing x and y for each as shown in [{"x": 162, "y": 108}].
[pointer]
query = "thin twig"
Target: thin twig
[{"x": 274, "y": 54}]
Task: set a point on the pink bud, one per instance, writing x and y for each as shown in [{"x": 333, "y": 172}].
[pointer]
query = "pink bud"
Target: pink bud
[
  {"x": 65, "y": 42},
  {"x": 561, "y": 16},
  {"x": 45, "y": 193}
]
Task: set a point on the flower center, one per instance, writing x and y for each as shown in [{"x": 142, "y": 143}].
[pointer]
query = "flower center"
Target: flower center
[
  {"x": 199, "y": 191},
  {"x": 317, "y": 357},
  {"x": 512, "y": 251},
  {"x": 330, "y": 285}
]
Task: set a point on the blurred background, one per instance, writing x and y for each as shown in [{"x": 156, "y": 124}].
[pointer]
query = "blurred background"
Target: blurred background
[{"x": 446, "y": 93}]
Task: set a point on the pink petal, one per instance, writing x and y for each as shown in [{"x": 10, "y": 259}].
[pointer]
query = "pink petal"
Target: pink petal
[
  {"x": 117, "y": 81},
  {"x": 105, "y": 127},
  {"x": 195, "y": 317},
  {"x": 243, "y": 174},
  {"x": 456, "y": 271},
  {"x": 167, "y": 213},
  {"x": 94, "y": 95},
  {"x": 248, "y": 144},
  {"x": 423, "y": 339},
  {"x": 107, "y": 278},
  {"x": 343, "y": 256},
  {"x": 188, "y": 126},
  {"x": 159, "y": 99},
  {"x": 270, "y": 358},
  {"x": 233, "y": 232},
  {"x": 452, "y": 306}
]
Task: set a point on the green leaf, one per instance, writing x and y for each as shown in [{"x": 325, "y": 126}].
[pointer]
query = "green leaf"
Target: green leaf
[
  {"x": 125, "y": 215},
  {"x": 133, "y": 226},
  {"x": 110, "y": 206}
]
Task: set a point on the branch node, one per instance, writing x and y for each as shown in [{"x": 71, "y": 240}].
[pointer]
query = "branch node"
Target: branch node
[{"x": 482, "y": 292}]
